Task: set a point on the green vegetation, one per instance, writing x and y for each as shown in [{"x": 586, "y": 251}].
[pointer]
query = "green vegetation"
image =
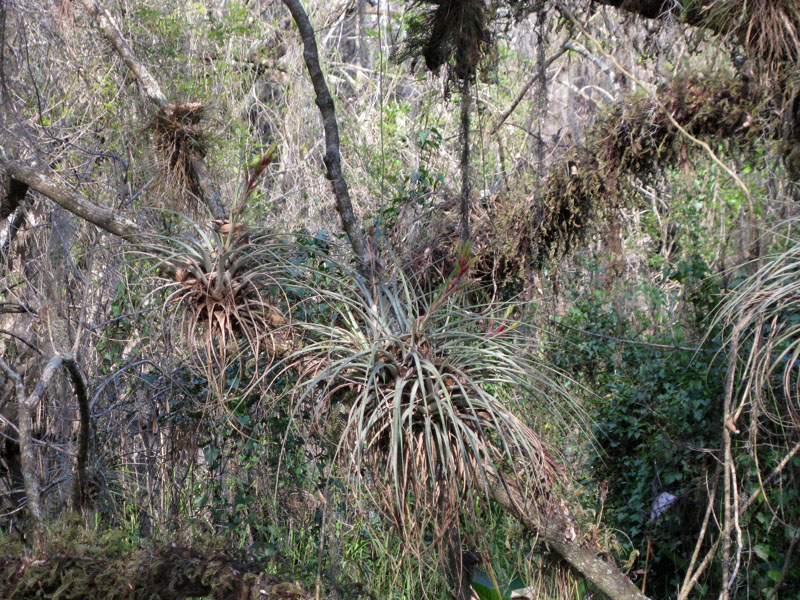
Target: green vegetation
[{"x": 556, "y": 353}]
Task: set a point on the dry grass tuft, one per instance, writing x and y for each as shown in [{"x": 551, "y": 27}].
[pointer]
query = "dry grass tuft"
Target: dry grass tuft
[
  {"x": 769, "y": 30},
  {"x": 180, "y": 140}
]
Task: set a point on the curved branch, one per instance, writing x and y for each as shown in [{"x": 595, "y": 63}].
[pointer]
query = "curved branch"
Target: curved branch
[
  {"x": 26, "y": 409},
  {"x": 324, "y": 102}
]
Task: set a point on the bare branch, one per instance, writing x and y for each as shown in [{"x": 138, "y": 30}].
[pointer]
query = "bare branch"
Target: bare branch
[
  {"x": 26, "y": 409},
  {"x": 324, "y": 101},
  {"x": 46, "y": 183},
  {"x": 147, "y": 82}
]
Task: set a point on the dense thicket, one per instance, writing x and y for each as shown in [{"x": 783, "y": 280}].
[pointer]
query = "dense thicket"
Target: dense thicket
[{"x": 399, "y": 299}]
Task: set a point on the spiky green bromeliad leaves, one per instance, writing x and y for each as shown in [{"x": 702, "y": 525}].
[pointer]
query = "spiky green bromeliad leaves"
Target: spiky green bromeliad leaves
[
  {"x": 223, "y": 301},
  {"x": 429, "y": 388}
]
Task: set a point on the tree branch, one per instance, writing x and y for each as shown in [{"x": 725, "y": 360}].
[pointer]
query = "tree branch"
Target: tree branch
[
  {"x": 207, "y": 189},
  {"x": 528, "y": 84},
  {"x": 26, "y": 408},
  {"x": 147, "y": 83},
  {"x": 662, "y": 9},
  {"x": 30, "y": 478},
  {"x": 560, "y": 535},
  {"x": 326, "y": 107},
  {"x": 45, "y": 182},
  {"x": 79, "y": 497}
]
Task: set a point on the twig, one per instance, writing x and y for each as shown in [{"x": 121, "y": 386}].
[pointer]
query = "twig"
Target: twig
[
  {"x": 623, "y": 340},
  {"x": 507, "y": 112},
  {"x": 729, "y": 469},
  {"x": 690, "y": 578},
  {"x": 787, "y": 564},
  {"x": 727, "y": 526},
  {"x": 775, "y": 472},
  {"x": 21, "y": 339}
]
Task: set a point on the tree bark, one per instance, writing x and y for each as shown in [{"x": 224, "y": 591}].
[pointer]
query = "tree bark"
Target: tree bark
[
  {"x": 333, "y": 162},
  {"x": 556, "y": 530},
  {"x": 30, "y": 478},
  {"x": 79, "y": 497},
  {"x": 25, "y": 414},
  {"x": 45, "y": 182}
]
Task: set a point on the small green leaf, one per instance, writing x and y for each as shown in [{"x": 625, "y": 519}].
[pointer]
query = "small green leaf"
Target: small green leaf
[{"x": 762, "y": 551}]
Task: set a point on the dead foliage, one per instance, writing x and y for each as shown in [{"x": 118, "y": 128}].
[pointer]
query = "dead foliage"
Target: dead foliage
[
  {"x": 633, "y": 140},
  {"x": 180, "y": 140},
  {"x": 448, "y": 32},
  {"x": 107, "y": 567},
  {"x": 636, "y": 139},
  {"x": 428, "y": 242}
]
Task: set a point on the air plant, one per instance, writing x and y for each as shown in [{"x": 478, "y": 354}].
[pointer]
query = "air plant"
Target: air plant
[
  {"x": 431, "y": 390},
  {"x": 769, "y": 30},
  {"x": 180, "y": 139},
  {"x": 764, "y": 314},
  {"x": 224, "y": 294}
]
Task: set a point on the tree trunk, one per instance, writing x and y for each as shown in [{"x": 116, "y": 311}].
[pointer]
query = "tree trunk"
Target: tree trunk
[
  {"x": 559, "y": 533},
  {"x": 333, "y": 163}
]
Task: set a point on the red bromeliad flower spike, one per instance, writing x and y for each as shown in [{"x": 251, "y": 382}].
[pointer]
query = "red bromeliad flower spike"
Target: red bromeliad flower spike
[{"x": 255, "y": 171}]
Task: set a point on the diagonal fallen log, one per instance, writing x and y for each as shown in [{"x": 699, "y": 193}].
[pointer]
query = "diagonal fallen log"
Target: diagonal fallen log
[{"x": 559, "y": 533}]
